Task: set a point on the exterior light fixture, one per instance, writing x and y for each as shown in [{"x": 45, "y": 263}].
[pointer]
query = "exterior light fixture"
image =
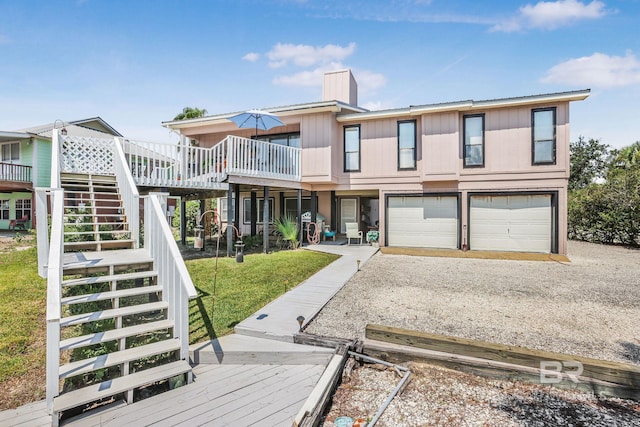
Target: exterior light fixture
[
  {"x": 358, "y": 262},
  {"x": 63, "y": 131},
  {"x": 300, "y": 320}
]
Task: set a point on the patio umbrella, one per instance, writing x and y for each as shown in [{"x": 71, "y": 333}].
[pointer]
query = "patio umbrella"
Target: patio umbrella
[{"x": 256, "y": 119}]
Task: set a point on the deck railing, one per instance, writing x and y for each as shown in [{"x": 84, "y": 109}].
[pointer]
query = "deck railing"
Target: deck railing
[
  {"x": 177, "y": 287},
  {"x": 250, "y": 157},
  {"x": 11, "y": 172},
  {"x": 129, "y": 193},
  {"x": 54, "y": 292}
]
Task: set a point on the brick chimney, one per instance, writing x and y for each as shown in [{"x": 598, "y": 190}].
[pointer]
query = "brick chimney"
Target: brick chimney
[{"x": 340, "y": 85}]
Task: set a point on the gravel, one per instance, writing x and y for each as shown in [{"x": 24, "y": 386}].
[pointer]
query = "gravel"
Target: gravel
[{"x": 589, "y": 306}]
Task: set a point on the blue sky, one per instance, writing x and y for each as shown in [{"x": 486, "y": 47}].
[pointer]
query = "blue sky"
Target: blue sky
[{"x": 138, "y": 63}]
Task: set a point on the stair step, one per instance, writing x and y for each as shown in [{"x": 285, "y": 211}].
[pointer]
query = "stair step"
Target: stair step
[
  {"x": 101, "y": 296},
  {"x": 79, "y": 319},
  {"x": 81, "y": 233},
  {"x": 104, "y": 244},
  {"x": 110, "y": 278},
  {"x": 118, "y": 357},
  {"x": 114, "y": 334},
  {"x": 119, "y": 385}
]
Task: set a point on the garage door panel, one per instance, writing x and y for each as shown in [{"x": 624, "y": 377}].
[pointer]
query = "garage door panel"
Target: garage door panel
[
  {"x": 510, "y": 223},
  {"x": 416, "y": 221}
]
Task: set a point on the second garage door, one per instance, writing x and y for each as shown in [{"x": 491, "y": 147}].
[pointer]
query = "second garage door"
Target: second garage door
[
  {"x": 423, "y": 221},
  {"x": 510, "y": 223}
]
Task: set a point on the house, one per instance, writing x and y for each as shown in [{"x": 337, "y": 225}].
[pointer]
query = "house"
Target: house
[
  {"x": 25, "y": 163},
  {"x": 480, "y": 175}
]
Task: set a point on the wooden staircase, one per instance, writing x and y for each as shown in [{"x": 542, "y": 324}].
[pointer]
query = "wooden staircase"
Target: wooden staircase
[{"x": 117, "y": 341}]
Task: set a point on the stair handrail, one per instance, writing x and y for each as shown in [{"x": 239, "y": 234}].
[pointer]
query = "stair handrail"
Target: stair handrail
[
  {"x": 177, "y": 286},
  {"x": 54, "y": 295},
  {"x": 128, "y": 192}
]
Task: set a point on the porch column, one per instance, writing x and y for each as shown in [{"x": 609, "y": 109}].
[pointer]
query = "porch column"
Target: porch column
[
  {"x": 314, "y": 206},
  {"x": 299, "y": 217},
  {"x": 254, "y": 212},
  {"x": 236, "y": 211},
  {"x": 230, "y": 221},
  {"x": 265, "y": 219},
  {"x": 334, "y": 212},
  {"x": 204, "y": 235},
  {"x": 183, "y": 221}
]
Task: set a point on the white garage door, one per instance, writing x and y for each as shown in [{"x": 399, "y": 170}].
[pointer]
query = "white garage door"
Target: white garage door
[
  {"x": 423, "y": 221},
  {"x": 510, "y": 223}
]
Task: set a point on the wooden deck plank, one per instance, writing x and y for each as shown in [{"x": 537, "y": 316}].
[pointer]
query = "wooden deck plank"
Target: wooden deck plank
[
  {"x": 231, "y": 409},
  {"x": 187, "y": 400},
  {"x": 33, "y": 414}
]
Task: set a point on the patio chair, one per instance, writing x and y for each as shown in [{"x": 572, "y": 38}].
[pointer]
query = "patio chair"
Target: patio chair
[
  {"x": 353, "y": 232},
  {"x": 19, "y": 223}
]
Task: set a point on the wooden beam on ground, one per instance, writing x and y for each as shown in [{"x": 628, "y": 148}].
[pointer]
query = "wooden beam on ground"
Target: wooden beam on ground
[
  {"x": 612, "y": 374},
  {"x": 311, "y": 412},
  {"x": 321, "y": 341}
]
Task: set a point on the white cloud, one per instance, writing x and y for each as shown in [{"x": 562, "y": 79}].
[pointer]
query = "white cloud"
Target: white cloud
[
  {"x": 597, "y": 70},
  {"x": 550, "y": 15},
  {"x": 306, "y": 56},
  {"x": 369, "y": 81},
  {"x": 251, "y": 57}
]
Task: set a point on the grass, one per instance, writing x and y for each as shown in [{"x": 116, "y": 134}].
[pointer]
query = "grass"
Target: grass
[
  {"x": 22, "y": 329},
  {"x": 243, "y": 288}
]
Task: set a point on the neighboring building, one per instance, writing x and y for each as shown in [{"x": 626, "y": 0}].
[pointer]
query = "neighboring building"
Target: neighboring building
[
  {"x": 482, "y": 175},
  {"x": 25, "y": 163}
]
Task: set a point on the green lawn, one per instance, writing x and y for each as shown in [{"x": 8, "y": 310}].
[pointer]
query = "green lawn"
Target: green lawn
[
  {"x": 243, "y": 288},
  {"x": 240, "y": 291},
  {"x": 22, "y": 328}
]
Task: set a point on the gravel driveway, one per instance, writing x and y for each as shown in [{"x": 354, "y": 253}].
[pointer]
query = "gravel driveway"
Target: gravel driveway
[{"x": 588, "y": 307}]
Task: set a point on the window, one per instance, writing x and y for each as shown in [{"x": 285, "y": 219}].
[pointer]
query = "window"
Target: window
[
  {"x": 10, "y": 152},
  {"x": 4, "y": 209},
  {"x": 291, "y": 206},
  {"x": 223, "y": 208},
  {"x": 543, "y": 129},
  {"x": 407, "y": 144},
  {"x": 247, "y": 210},
  {"x": 288, "y": 139},
  {"x": 23, "y": 207},
  {"x": 474, "y": 140},
  {"x": 352, "y": 148}
]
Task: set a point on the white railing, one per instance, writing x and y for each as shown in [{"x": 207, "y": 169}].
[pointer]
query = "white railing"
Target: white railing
[
  {"x": 170, "y": 165},
  {"x": 177, "y": 287},
  {"x": 54, "y": 291},
  {"x": 128, "y": 192},
  {"x": 42, "y": 229},
  {"x": 249, "y": 157},
  {"x": 86, "y": 155}
]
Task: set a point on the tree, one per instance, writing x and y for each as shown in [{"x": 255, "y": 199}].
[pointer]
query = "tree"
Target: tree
[
  {"x": 190, "y": 113},
  {"x": 589, "y": 161}
]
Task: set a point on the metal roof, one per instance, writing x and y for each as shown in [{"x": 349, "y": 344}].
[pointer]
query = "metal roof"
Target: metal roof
[{"x": 92, "y": 127}]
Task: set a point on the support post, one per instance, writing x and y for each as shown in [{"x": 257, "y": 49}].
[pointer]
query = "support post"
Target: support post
[
  {"x": 314, "y": 206},
  {"x": 183, "y": 221},
  {"x": 334, "y": 212},
  {"x": 236, "y": 211},
  {"x": 230, "y": 210},
  {"x": 254, "y": 212},
  {"x": 265, "y": 219},
  {"x": 203, "y": 208},
  {"x": 299, "y": 217}
]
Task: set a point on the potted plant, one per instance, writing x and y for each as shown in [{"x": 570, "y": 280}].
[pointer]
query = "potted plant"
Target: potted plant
[{"x": 372, "y": 237}]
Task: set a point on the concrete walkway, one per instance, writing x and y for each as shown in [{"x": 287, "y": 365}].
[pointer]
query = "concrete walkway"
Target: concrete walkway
[{"x": 256, "y": 376}]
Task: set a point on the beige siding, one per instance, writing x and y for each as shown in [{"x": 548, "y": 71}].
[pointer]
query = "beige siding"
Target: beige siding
[
  {"x": 441, "y": 146},
  {"x": 317, "y": 136}
]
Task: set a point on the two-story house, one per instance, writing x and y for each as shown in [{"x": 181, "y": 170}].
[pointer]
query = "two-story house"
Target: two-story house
[
  {"x": 25, "y": 163},
  {"x": 479, "y": 175}
]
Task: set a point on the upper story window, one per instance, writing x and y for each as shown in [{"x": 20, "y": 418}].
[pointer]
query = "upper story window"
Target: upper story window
[
  {"x": 543, "y": 130},
  {"x": 352, "y": 148},
  {"x": 10, "y": 152},
  {"x": 287, "y": 139},
  {"x": 407, "y": 144},
  {"x": 474, "y": 140}
]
